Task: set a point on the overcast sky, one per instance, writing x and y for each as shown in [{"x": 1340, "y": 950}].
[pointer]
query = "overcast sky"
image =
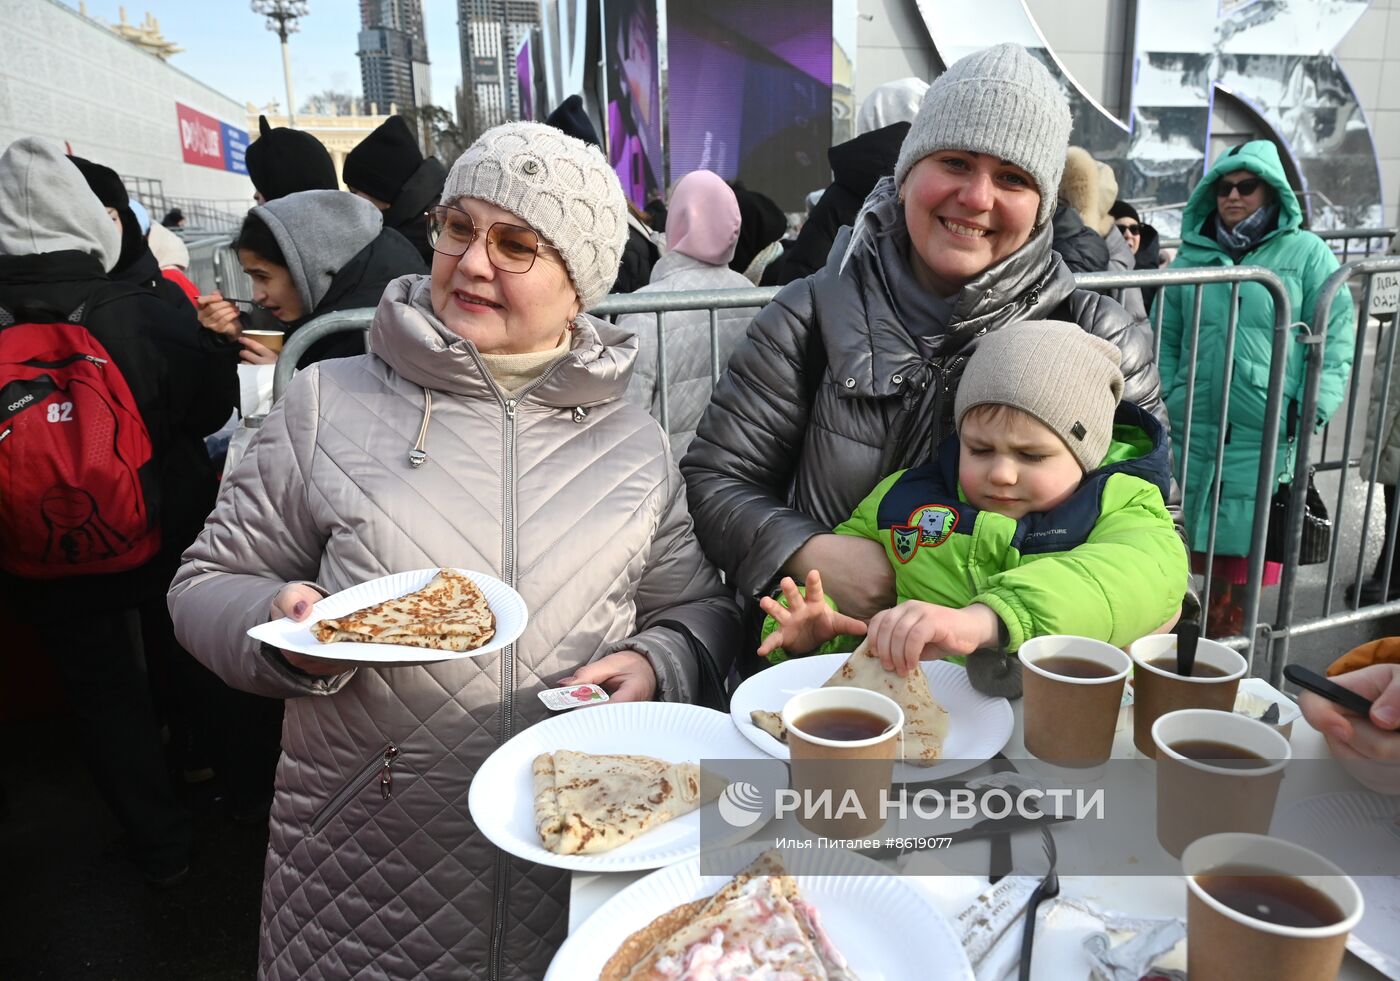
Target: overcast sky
[{"x": 228, "y": 48}]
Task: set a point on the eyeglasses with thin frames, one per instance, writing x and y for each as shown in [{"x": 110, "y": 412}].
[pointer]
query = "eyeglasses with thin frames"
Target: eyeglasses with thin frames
[
  {"x": 1246, "y": 187},
  {"x": 510, "y": 248}
]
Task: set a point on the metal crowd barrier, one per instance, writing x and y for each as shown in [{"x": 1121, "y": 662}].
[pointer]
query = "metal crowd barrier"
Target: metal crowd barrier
[
  {"x": 306, "y": 335},
  {"x": 1380, "y": 290},
  {"x": 229, "y": 277},
  {"x": 1200, "y": 280},
  {"x": 712, "y": 300},
  {"x": 1374, "y": 241},
  {"x": 214, "y": 264},
  {"x": 1258, "y": 640},
  {"x": 201, "y": 268}
]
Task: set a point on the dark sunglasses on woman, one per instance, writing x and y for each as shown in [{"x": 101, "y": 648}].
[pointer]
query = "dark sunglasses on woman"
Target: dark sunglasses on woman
[
  {"x": 1246, "y": 187},
  {"x": 1129, "y": 228},
  {"x": 510, "y": 248}
]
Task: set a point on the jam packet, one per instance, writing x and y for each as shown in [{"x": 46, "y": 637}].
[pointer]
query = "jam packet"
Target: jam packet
[{"x": 572, "y": 696}]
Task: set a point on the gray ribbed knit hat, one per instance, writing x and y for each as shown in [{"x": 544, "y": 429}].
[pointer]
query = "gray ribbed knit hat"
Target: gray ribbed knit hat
[
  {"x": 1054, "y": 371},
  {"x": 560, "y": 186},
  {"x": 1000, "y": 101}
]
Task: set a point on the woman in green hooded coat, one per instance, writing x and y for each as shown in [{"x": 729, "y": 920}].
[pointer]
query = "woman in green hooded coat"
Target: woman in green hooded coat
[{"x": 1243, "y": 213}]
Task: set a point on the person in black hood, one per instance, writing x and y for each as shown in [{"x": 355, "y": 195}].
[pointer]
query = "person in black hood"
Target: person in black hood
[
  {"x": 856, "y": 165},
  {"x": 641, "y": 251},
  {"x": 311, "y": 253},
  {"x": 282, "y": 161},
  {"x": 136, "y": 264},
  {"x": 1143, "y": 239},
  {"x": 761, "y": 227},
  {"x": 388, "y": 170}
]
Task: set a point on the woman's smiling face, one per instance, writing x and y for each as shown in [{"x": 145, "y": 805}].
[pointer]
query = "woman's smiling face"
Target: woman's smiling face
[
  {"x": 502, "y": 312},
  {"x": 965, "y": 213}
]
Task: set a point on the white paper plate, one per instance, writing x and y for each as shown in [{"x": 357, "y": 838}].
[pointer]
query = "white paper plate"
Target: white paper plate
[
  {"x": 978, "y": 725},
  {"x": 886, "y": 927},
  {"x": 1351, "y": 829},
  {"x": 502, "y": 795},
  {"x": 289, "y": 635}
]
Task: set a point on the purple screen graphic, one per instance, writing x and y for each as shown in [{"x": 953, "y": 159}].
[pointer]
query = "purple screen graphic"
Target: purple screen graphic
[
  {"x": 749, "y": 93},
  {"x": 634, "y": 98},
  {"x": 523, "y": 74}
]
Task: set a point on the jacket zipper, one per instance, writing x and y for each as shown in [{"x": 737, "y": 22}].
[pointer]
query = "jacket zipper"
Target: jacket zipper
[
  {"x": 508, "y": 571},
  {"x": 380, "y": 765},
  {"x": 940, "y": 399}
]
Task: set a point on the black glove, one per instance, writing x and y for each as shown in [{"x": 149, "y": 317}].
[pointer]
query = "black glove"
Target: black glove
[{"x": 994, "y": 673}]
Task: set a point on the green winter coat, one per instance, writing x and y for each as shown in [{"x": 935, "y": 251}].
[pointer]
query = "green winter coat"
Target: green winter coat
[
  {"x": 1107, "y": 563},
  {"x": 1303, "y": 261}
]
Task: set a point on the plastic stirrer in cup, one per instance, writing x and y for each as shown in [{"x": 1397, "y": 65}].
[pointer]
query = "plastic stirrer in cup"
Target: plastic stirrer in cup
[{"x": 1187, "y": 634}]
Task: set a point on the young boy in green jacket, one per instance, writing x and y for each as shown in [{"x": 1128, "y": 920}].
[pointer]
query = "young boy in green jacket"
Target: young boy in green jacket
[{"x": 1044, "y": 514}]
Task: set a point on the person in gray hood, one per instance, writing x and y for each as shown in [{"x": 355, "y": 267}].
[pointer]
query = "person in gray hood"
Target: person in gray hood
[
  {"x": 310, "y": 253},
  {"x": 850, "y": 374},
  {"x": 485, "y": 431}
]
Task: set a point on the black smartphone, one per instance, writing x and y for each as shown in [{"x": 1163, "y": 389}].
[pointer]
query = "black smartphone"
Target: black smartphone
[{"x": 1330, "y": 690}]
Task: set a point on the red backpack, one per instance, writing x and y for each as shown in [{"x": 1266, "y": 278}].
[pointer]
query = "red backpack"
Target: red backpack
[{"x": 72, "y": 448}]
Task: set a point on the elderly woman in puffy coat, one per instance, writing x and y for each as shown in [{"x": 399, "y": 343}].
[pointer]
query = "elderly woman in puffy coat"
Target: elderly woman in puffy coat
[
  {"x": 849, "y": 375},
  {"x": 1243, "y": 213},
  {"x": 702, "y": 227},
  {"x": 485, "y": 431}
]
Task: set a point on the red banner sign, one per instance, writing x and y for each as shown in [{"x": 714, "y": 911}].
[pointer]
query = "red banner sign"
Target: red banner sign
[{"x": 201, "y": 140}]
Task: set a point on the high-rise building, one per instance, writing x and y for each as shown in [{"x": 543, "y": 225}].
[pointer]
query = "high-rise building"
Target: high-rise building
[
  {"x": 394, "y": 54},
  {"x": 491, "y": 31}
]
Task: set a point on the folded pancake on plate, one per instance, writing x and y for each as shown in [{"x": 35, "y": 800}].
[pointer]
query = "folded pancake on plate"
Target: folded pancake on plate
[
  {"x": 758, "y": 925},
  {"x": 448, "y": 614},
  {"x": 925, "y": 721},
  {"x": 586, "y": 804}
]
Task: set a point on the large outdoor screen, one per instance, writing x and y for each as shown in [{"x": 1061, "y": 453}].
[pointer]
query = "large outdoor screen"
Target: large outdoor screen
[
  {"x": 634, "y": 98},
  {"x": 749, "y": 93}
]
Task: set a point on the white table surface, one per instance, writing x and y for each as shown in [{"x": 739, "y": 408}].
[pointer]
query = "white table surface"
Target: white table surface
[{"x": 954, "y": 893}]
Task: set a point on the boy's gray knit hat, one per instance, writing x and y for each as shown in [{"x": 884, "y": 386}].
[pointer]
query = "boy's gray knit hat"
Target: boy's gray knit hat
[
  {"x": 559, "y": 186},
  {"x": 1001, "y": 102},
  {"x": 1057, "y": 373}
]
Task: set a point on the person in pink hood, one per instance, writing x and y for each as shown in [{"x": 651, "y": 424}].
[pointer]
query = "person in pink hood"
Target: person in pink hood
[{"x": 702, "y": 228}]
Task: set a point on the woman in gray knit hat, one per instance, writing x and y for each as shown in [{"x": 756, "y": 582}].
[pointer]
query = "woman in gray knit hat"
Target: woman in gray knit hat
[
  {"x": 486, "y": 430},
  {"x": 850, "y": 373}
]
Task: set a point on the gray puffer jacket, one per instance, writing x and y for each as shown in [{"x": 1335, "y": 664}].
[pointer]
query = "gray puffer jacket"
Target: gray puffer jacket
[
  {"x": 833, "y": 388},
  {"x": 565, "y": 491},
  {"x": 688, "y": 380}
]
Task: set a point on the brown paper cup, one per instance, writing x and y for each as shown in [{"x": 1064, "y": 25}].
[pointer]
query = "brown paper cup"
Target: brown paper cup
[
  {"x": 1223, "y": 944},
  {"x": 1070, "y": 721},
  {"x": 829, "y": 769},
  {"x": 270, "y": 339},
  {"x": 1157, "y": 692},
  {"x": 1194, "y": 798}
]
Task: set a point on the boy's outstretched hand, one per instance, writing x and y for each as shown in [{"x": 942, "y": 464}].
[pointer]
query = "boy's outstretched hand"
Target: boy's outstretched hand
[
  {"x": 916, "y": 631},
  {"x": 806, "y": 622}
]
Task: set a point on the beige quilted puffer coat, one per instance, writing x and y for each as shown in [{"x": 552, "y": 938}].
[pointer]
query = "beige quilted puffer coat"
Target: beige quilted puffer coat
[{"x": 374, "y": 868}]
